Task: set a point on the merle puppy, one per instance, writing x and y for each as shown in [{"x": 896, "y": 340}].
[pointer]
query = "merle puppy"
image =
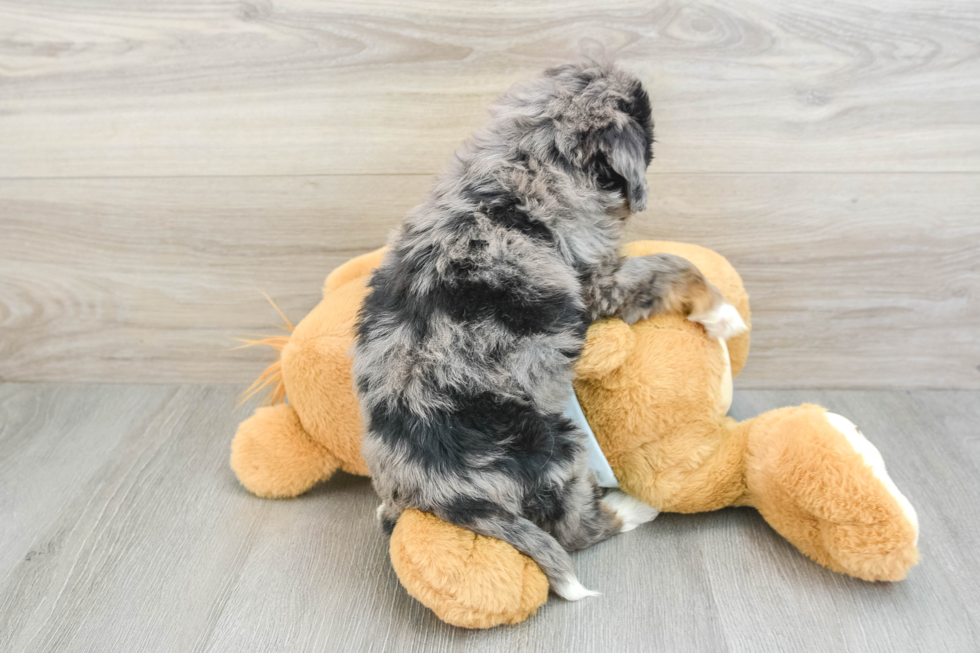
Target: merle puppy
[{"x": 467, "y": 341}]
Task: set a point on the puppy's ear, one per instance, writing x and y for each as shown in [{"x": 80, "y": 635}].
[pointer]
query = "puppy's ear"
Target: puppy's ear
[
  {"x": 623, "y": 150},
  {"x": 608, "y": 344},
  {"x": 626, "y": 148}
]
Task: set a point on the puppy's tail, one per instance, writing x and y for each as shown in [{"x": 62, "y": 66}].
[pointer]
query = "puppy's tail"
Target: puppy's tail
[{"x": 528, "y": 538}]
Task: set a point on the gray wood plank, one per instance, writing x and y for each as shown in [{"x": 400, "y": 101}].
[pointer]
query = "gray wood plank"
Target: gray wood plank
[
  {"x": 856, "y": 280},
  {"x": 110, "y": 88},
  {"x": 125, "y": 530}
]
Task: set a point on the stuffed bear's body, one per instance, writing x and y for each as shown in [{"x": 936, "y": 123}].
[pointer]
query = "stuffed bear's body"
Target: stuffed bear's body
[{"x": 655, "y": 394}]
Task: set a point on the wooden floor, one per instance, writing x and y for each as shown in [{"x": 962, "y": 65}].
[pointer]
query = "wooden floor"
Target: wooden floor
[
  {"x": 124, "y": 530},
  {"x": 163, "y": 162}
]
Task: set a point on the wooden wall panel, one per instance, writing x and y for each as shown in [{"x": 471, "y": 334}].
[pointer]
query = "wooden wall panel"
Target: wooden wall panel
[
  {"x": 113, "y": 88},
  {"x": 866, "y": 280},
  {"x": 160, "y": 163}
]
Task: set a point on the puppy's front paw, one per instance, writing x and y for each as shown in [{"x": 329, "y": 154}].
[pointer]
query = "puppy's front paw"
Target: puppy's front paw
[{"x": 721, "y": 321}]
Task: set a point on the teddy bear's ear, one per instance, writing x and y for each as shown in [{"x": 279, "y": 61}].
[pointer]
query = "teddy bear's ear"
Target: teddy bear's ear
[
  {"x": 607, "y": 345},
  {"x": 359, "y": 266}
]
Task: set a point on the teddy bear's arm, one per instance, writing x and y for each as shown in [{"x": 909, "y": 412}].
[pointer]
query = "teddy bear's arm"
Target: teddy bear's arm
[{"x": 607, "y": 345}]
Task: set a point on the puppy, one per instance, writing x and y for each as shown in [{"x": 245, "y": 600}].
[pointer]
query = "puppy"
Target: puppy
[{"x": 467, "y": 341}]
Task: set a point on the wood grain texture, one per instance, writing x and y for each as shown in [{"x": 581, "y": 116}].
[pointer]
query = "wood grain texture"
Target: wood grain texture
[
  {"x": 162, "y": 162},
  {"x": 104, "y": 87},
  {"x": 124, "y": 530},
  {"x": 864, "y": 280}
]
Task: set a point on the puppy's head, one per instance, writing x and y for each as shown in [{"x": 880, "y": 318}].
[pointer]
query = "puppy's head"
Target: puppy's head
[{"x": 591, "y": 117}]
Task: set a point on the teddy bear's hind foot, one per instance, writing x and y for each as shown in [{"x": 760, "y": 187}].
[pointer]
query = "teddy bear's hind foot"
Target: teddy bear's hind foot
[
  {"x": 819, "y": 482},
  {"x": 274, "y": 457},
  {"x": 872, "y": 457}
]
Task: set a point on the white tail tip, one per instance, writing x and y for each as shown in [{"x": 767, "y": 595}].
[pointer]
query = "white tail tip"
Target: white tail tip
[{"x": 572, "y": 590}]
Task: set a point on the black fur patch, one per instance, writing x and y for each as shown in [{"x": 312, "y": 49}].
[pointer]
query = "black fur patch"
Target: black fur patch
[
  {"x": 391, "y": 296},
  {"x": 388, "y": 526},
  {"x": 545, "y": 505},
  {"x": 467, "y": 510},
  {"x": 608, "y": 178},
  {"x": 503, "y": 208},
  {"x": 638, "y": 108},
  {"x": 512, "y": 217},
  {"x": 468, "y": 299},
  {"x": 511, "y": 436}
]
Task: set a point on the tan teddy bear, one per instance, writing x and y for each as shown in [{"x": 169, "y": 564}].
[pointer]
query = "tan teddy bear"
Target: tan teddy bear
[{"x": 655, "y": 394}]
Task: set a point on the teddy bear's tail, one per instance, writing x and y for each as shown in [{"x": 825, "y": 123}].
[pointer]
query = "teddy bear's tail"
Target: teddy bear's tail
[{"x": 271, "y": 377}]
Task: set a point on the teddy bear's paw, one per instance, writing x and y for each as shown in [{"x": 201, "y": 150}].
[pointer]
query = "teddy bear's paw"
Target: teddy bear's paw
[
  {"x": 721, "y": 321},
  {"x": 274, "y": 457},
  {"x": 630, "y": 510},
  {"x": 872, "y": 458}
]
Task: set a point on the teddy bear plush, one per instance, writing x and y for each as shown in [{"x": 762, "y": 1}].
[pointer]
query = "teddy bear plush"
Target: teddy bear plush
[{"x": 655, "y": 395}]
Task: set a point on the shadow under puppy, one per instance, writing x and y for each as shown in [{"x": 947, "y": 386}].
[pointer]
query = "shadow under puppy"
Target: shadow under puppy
[{"x": 467, "y": 341}]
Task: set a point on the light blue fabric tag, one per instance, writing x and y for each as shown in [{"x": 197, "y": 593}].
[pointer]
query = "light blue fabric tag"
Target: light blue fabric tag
[{"x": 597, "y": 460}]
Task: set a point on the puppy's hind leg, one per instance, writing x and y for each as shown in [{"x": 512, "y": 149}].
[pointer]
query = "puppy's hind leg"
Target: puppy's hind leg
[
  {"x": 630, "y": 510},
  {"x": 388, "y": 514},
  {"x": 588, "y": 520}
]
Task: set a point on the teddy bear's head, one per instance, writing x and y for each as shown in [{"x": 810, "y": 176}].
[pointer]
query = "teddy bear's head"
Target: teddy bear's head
[{"x": 660, "y": 375}]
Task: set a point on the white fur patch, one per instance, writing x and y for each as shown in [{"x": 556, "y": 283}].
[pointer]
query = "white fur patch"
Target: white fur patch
[
  {"x": 632, "y": 511},
  {"x": 873, "y": 458},
  {"x": 722, "y": 321}
]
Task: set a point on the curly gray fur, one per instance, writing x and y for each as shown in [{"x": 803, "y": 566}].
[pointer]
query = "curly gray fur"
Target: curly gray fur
[{"x": 467, "y": 341}]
